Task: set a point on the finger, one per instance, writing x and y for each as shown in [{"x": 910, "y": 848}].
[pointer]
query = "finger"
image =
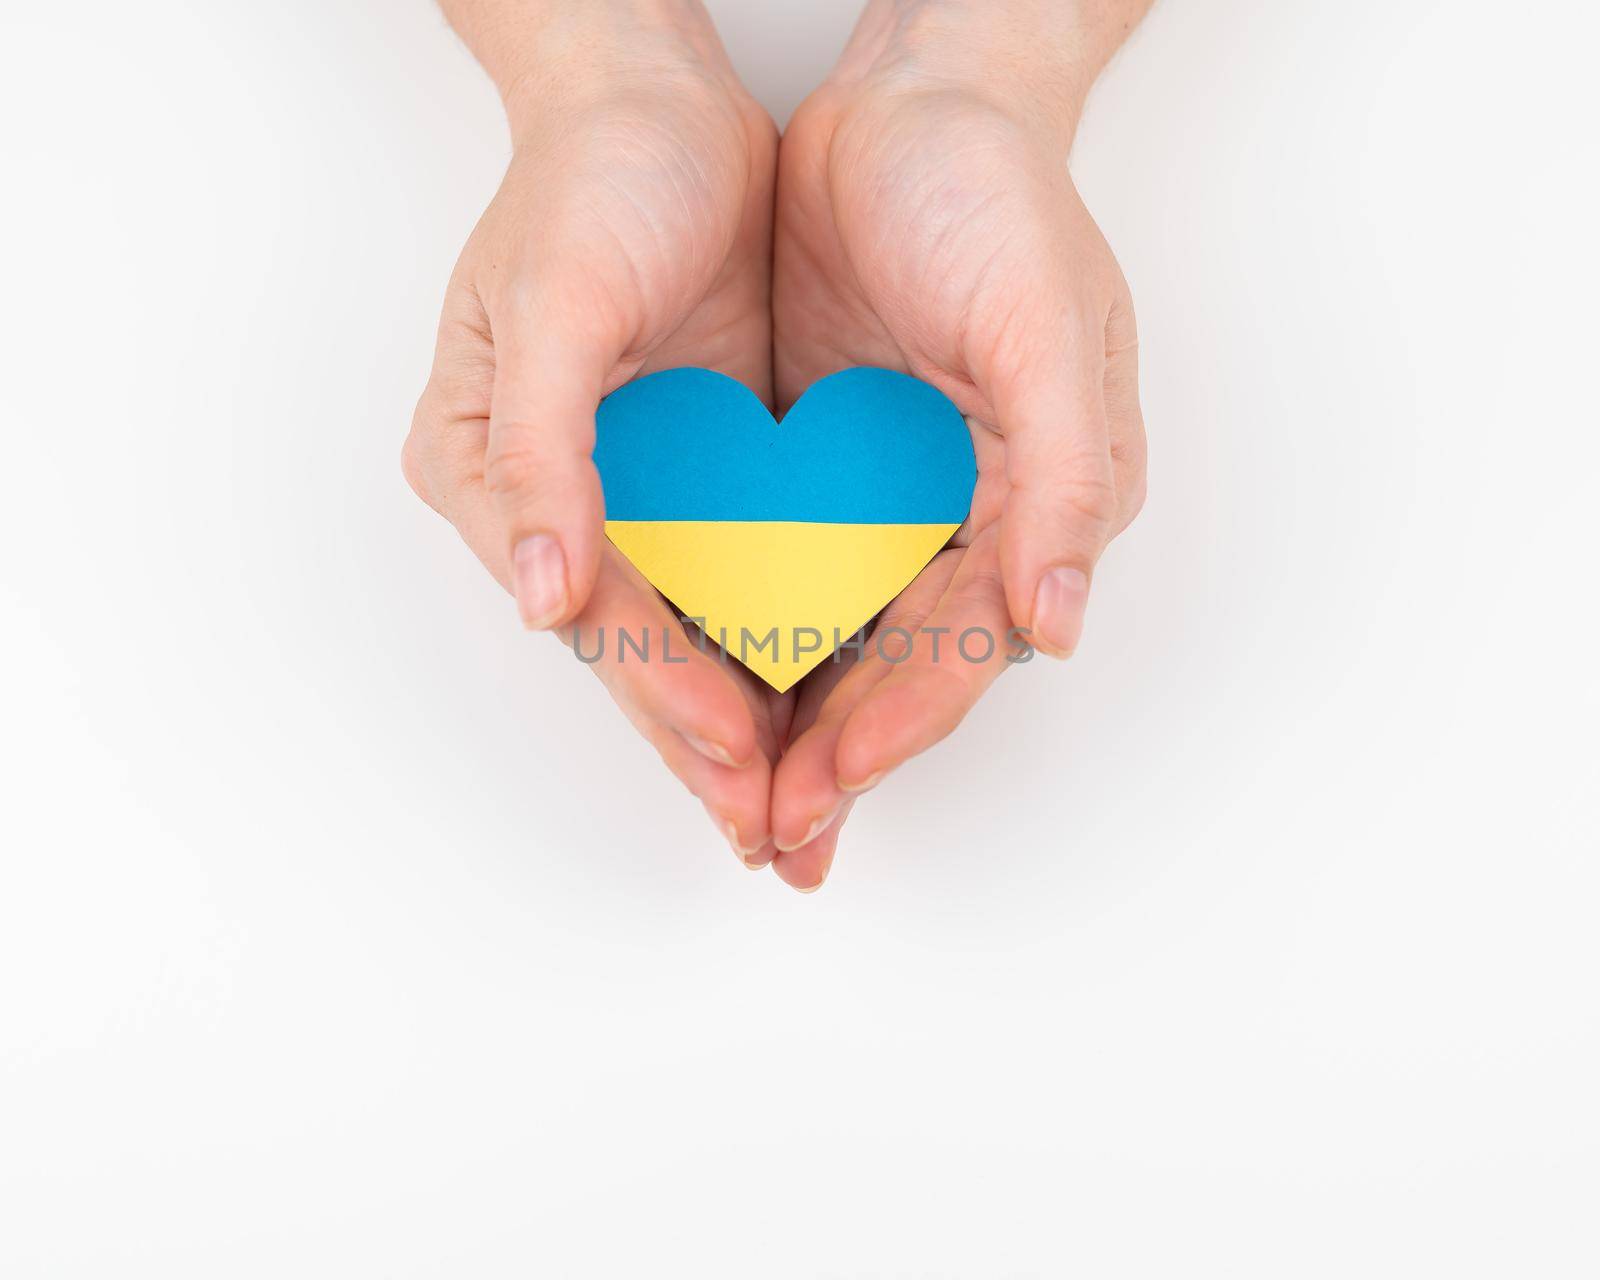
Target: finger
[
  {"x": 684, "y": 701},
  {"x": 817, "y": 688},
  {"x": 628, "y": 637},
  {"x": 961, "y": 650},
  {"x": 539, "y": 467},
  {"x": 695, "y": 714},
  {"x": 736, "y": 800},
  {"x": 1061, "y": 503},
  {"x": 772, "y": 713},
  {"x": 806, "y": 868},
  {"x": 806, "y": 796}
]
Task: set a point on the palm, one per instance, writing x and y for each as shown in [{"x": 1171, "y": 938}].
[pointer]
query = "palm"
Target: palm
[
  {"x": 932, "y": 234},
  {"x": 728, "y": 330},
  {"x": 661, "y": 224},
  {"x": 908, "y": 230},
  {"x": 908, "y": 237},
  {"x": 631, "y": 234},
  {"x": 692, "y": 227}
]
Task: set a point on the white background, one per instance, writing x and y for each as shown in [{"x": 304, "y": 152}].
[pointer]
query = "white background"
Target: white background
[{"x": 346, "y": 931}]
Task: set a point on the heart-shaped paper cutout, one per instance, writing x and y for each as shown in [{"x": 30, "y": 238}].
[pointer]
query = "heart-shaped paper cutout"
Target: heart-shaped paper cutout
[{"x": 785, "y": 539}]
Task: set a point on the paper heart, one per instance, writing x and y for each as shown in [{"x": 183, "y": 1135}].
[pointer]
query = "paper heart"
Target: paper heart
[{"x": 805, "y": 528}]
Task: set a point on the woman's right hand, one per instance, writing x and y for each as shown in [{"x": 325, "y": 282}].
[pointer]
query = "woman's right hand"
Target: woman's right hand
[{"x": 631, "y": 233}]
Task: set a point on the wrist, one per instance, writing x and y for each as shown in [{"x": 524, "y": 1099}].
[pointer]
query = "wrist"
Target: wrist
[
  {"x": 1034, "y": 59},
  {"x": 543, "y": 51}
]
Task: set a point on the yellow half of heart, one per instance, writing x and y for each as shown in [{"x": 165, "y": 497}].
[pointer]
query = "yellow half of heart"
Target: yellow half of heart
[{"x": 778, "y": 595}]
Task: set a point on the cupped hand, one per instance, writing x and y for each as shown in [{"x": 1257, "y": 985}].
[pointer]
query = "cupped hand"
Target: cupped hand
[
  {"x": 632, "y": 233},
  {"x": 926, "y": 221}
]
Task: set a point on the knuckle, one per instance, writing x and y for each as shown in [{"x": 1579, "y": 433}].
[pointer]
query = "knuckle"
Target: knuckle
[
  {"x": 1129, "y": 457},
  {"x": 412, "y": 468},
  {"x": 1090, "y": 500},
  {"x": 511, "y": 470},
  {"x": 1134, "y": 491},
  {"x": 981, "y": 591}
]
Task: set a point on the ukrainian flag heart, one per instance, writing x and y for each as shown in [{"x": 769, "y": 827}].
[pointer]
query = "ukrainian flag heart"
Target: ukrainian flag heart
[{"x": 783, "y": 540}]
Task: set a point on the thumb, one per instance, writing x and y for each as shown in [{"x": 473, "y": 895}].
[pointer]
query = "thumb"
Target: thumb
[
  {"x": 1062, "y": 498},
  {"x": 539, "y": 469}
]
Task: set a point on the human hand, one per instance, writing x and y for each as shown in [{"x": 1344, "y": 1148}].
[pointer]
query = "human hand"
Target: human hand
[
  {"x": 926, "y": 221},
  {"x": 632, "y": 233}
]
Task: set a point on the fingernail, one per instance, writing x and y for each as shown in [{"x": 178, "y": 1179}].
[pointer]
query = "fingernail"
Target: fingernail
[
  {"x": 711, "y": 750},
  {"x": 822, "y": 881},
  {"x": 1058, "y": 610},
  {"x": 818, "y": 826},
  {"x": 730, "y": 833},
  {"x": 866, "y": 784},
  {"x": 540, "y": 573}
]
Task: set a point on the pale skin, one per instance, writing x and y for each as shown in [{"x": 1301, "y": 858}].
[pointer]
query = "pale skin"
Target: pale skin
[{"x": 918, "y": 215}]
